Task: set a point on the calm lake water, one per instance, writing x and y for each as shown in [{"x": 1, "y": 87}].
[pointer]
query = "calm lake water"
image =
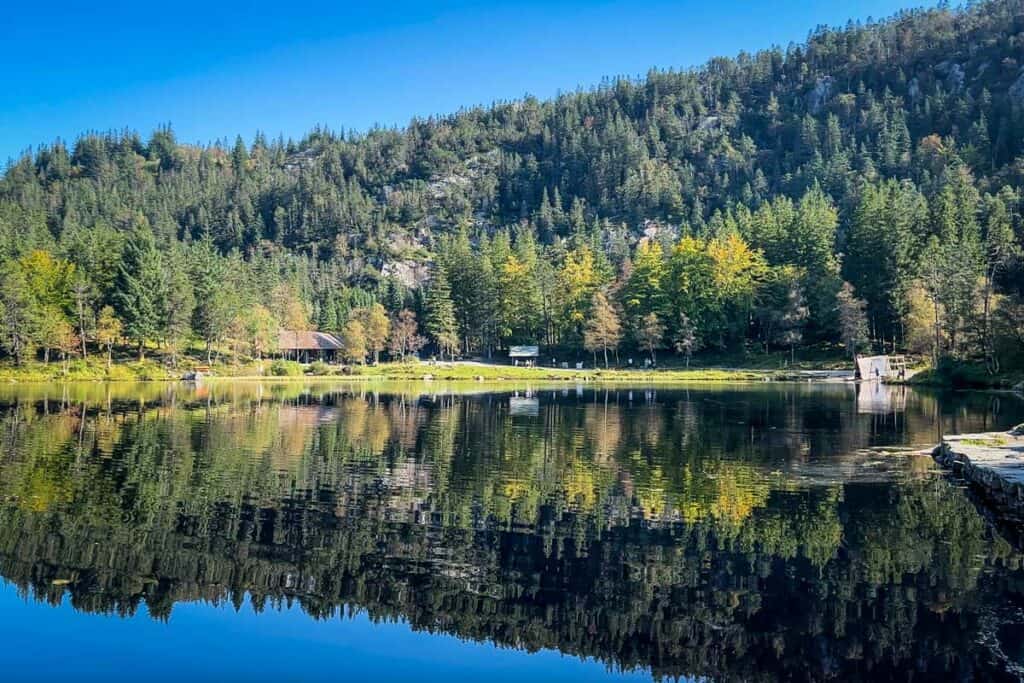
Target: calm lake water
[{"x": 322, "y": 532}]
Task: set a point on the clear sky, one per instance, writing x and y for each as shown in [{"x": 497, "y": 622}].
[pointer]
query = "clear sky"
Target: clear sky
[{"x": 217, "y": 68}]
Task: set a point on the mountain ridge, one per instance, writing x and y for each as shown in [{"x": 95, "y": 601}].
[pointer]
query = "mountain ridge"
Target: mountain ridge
[{"x": 930, "y": 99}]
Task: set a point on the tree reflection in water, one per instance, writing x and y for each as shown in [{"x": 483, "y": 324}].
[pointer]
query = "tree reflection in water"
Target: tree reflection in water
[{"x": 733, "y": 533}]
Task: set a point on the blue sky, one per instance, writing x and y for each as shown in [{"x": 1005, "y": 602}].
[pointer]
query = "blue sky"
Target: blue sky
[{"x": 215, "y": 69}]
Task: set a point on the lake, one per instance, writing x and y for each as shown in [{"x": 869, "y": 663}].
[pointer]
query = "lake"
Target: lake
[{"x": 396, "y": 532}]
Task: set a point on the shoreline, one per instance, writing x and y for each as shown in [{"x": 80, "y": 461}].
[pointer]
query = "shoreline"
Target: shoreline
[
  {"x": 478, "y": 373},
  {"x": 992, "y": 463}
]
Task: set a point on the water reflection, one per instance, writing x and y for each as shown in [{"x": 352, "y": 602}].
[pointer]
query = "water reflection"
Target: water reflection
[{"x": 747, "y": 533}]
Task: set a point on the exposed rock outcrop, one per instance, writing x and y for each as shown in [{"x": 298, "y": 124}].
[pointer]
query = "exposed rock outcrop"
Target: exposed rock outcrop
[
  {"x": 821, "y": 93},
  {"x": 411, "y": 274},
  {"x": 993, "y": 463}
]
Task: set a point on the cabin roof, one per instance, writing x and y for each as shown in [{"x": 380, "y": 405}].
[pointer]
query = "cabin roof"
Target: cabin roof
[
  {"x": 523, "y": 351},
  {"x": 307, "y": 340}
]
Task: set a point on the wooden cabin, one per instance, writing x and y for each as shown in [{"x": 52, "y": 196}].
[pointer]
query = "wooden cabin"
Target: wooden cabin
[{"x": 306, "y": 346}]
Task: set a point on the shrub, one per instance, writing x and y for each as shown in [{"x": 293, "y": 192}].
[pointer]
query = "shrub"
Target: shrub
[
  {"x": 963, "y": 375},
  {"x": 319, "y": 368},
  {"x": 148, "y": 371},
  {"x": 955, "y": 374},
  {"x": 285, "y": 368},
  {"x": 119, "y": 373}
]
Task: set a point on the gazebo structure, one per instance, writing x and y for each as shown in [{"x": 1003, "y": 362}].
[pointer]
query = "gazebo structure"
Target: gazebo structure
[
  {"x": 526, "y": 355},
  {"x": 306, "y": 345},
  {"x": 877, "y": 368}
]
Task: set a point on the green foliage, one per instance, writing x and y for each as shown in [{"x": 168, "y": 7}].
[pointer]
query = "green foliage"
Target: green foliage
[
  {"x": 353, "y": 342},
  {"x": 957, "y": 374},
  {"x": 319, "y": 368},
  {"x": 644, "y": 290},
  {"x": 286, "y": 368},
  {"x": 439, "y": 313},
  {"x": 837, "y": 160},
  {"x": 139, "y": 290}
]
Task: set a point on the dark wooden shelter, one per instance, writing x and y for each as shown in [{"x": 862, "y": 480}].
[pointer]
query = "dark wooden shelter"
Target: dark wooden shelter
[
  {"x": 524, "y": 355},
  {"x": 307, "y": 345}
]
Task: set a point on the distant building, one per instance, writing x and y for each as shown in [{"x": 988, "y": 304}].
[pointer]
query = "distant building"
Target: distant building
[
  {"x": 527, "y": 355},
  {"x": 306, "y": 345},
  {"x": 871, "y": 368}
]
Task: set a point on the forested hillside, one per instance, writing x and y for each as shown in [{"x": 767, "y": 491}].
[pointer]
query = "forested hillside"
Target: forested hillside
[{"x": 863, "y": 188}]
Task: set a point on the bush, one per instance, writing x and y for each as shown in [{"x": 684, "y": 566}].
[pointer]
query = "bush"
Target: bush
[
  {"x": 956, "y": 374},
  {"x": 319, "y": 368},
  {"x": 285, "y": 368},
  {"x": 148, "y": 371},
  {"x": 119, "y": 373}
]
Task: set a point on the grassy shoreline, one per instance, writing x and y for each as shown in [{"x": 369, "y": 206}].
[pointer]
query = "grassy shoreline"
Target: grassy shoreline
[
  {"x": 711, "y": 370},
  {"x": 950, "y": 375},
  {"x": 95, "y": 370}
]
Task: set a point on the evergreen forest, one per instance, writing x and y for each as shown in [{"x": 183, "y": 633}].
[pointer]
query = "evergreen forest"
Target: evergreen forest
[{"x": 861, "y": 191}]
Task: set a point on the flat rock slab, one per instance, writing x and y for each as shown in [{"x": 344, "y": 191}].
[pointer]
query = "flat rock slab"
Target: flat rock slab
[{"x": 992, "y": 461}]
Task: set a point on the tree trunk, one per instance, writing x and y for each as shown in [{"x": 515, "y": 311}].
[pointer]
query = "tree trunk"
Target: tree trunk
[
  {"x": 81, "y": 320},
  {"x": 142, "y": 351},
  {"x": 606, "y": 358},
  {"x": 110, "y": 355},
  {"x": 990, "y": 363}
]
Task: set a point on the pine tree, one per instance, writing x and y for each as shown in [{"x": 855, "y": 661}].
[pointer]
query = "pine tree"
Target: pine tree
[
  {"x": 439, "y": 314},
  {"x": 139, "y": 288},
  {"x": 211, "y": 316},
  {"x": 19, "y": 313},
  {"x": 1000, "y": 247},
  {"x": 880, "y": 252},
  {"x": 177, "y": 303}
]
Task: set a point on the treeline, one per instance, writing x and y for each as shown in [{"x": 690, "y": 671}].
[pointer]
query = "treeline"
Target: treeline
[{"x": 861, "y": 188}]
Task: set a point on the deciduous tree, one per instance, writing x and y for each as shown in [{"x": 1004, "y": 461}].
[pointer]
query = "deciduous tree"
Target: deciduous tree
[{"x": 603, "y": 330}]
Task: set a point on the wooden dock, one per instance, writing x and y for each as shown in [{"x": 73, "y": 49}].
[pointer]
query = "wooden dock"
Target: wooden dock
[{"x": 992, "y": 462}]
